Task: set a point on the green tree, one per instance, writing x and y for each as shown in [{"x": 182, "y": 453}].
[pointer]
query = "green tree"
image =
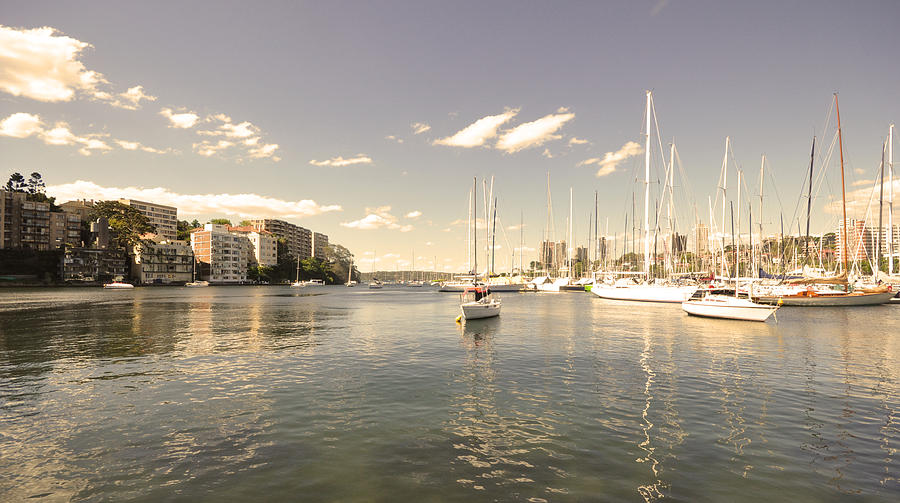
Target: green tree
[
  {"x": 126, "y": 223},
  {"x": 220, "y": 221},
  {"x": 245, "y": 223},
  {"x": 339, "y": 259},
  {"x": 16, "y": 183},
  {"x": 183, "y": 230},
  {"x": 36, "y": 184}
]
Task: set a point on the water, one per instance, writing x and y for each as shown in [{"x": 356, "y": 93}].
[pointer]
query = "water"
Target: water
[{"x": 338, "y": 394}]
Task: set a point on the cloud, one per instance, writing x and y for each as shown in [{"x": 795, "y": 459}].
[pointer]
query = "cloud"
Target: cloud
[
  {"x": 477, "y": 133},
  {"x": 338, "y": 162},
  {"x": 414, "y": 214},
  {"x": 577, "y": 141},
  {"x": 862, "y": 182},
  {"x": 377, "y": 218},
  {"x": 243, "y": 140},
  {"x": 182, "y": 120},
  {"x": 393, "y": 138},
  {"x": 516, "y": 227},
  {"x": 858, "y": 202},
  {"x": 546, "y": 153},
  {"x": 607, "y": 164},
  {"x": 21, "y": 125},
  {"x": 419, "y": 127},
  {"x": 243, "y": 205},
  {"x": 133, "y": 97},
  {"x": 534, "y": 133},
  {"x": 42, "y": 65},
  {"x": 660, "y": 5}
]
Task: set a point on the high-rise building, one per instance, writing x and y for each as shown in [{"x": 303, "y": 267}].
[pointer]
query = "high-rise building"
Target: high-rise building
[
  {"x": 65, "y": 229},
  {"x": 319, "y": 245},
  {"x": 263, "y": 245},
  {"x": 23, "y": 223},
  {"x": 162, "y": 262},
  {"x": 298, "y": 239},
  {"x": 164, "y": 218},
  {"x": 222, "y": 257},
  {"x": 860, "y": 243},
  {"x": 702, "y": 237}
]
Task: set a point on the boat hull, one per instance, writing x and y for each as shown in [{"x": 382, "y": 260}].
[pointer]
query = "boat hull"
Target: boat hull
[
  {"x": 743, "y": 313},
  {"x": 479, "y": 310},
  {"x": 863, "y": 299},
  {"x": 642, "y": 293}
]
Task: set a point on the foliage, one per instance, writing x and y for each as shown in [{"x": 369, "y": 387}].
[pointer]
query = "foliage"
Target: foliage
[
  {"x": 340, "y": 259},
  {"x": 42, "y": 264},
  {"x": 184, "y": 229},
  {"x": 220, "y": 221},
  {"x": 126, "y": 223},
  {"x": 16, "y": 183},
  {"x": 245, "y": 223}
]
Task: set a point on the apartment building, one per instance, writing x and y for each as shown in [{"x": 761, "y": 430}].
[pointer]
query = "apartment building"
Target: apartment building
[
  {"x": 93, "y": 265},
  {"x": 65, "y": 229},
  {"x": 164, "y": 218},
  {"x": 162, "y": 262},
  {"x": 319, "y": 245},
  {"x": 263, "y": 248},
  {"x": 222, "y": 257},
  {"x": 298, "y": 239},
  {"x": 23, "y": 224}
]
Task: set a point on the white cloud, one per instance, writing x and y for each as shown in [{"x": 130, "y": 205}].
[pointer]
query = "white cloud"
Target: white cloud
[
  {"x": 414, "y": 214},
  {"x": 182, "y": 120},
  {"x": 393, "y": 138},
  {"x": 862, "y": 182},
  {"x": 243, "y": 205},
  {"x": 377, "y": 218},
  {"x": 577, "y": 141},
  {"x": 858, "y": 202},
  {"x": 42, "y": 65},
  {"x": 546, "y": 153},
  {"x": 516, "y": 227},
  {"x": 419, "y": 127},
  {"x": 339, "y": 161},
  {"x": 477, "y": 133},
  {"x": 607, "y": 164},
  {"x": 244, "y": 137},
  {"x": 21, "y": 125},
  {"x": 133, "y": 145},
  {"x": 534, "y": 133}
]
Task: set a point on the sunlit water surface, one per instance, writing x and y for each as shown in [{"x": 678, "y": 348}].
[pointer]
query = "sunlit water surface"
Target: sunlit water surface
[{"x": 339, "y": 394}]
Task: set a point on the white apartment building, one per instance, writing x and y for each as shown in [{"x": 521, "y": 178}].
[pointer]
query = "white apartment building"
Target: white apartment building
[
  {"x": 263, "y": 248},
  {"x": 164, "y": 218},
  {"x": 222, "y": 256}
]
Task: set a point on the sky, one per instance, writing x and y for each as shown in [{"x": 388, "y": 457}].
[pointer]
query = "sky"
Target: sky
[{"x": 367, "y": 121}]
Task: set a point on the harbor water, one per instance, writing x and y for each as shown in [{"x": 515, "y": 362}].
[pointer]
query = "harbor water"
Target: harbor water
[{"x": 350, "y": 394}]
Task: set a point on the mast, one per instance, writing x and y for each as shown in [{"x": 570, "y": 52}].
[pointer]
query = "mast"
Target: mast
[
  {"x": 762, "y": 166},
  {"x": 878, "y": 240},
  {"x": 812, "y": 155},
  {"x": 493, "y": 235},
  {"x": 737, "y": 260},
  {"x": 596, "y": 243},
  {"x": 669, "y": 211},
  {"x": 733, "y": 249},
  {"x": 724, "y": 188},
  {"x": 469, "y": 233},
  {"x": 844, "y": 246},
  {"x": 570, "y": 235},
  {"x": 521, "y": 243},
  {"x": 647, "y": 192},
  {"x": 891, "y": 200},
  {"x": 475, "y": 227}
]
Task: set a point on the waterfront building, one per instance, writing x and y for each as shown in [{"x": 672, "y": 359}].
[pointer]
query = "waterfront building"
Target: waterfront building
[
  {"x": 319, "y": 245},
  {"x": 164, "y": 218},
  {"x": 65, "y": 229},
  {"x": 297, "y": 239},
  {"x": 263, "y": 248},
  {"x": 93, "y": 265},
  {"x": 83, "y": 207},
  {"x": 162, "y": 262},
  {"x": 222, "y": 257},
  {"x": 702, "y": 237},
  {"x": 23, "y": 224}
]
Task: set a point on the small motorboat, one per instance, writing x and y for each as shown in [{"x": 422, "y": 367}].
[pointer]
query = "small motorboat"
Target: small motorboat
[
  {"x": 118, "y": 285},
  {"x": 375, "y": 285},
  {"x": 197, "y": 284},
  {"x": 478, "y": 302},
  {"x": 724, "y": 304}
]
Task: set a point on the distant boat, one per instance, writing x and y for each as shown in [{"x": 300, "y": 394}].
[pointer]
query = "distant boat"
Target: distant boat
[
  {"x": 118, "y": 285},
  {"x": 626, "y": 289},
  {"x": 297, "y": 283},
  {"x": 197, "y": 284},
  {"x": 375, "y": 285},
  {"x": 478, "y": 302},
  {"x": 723, "y": 304}
]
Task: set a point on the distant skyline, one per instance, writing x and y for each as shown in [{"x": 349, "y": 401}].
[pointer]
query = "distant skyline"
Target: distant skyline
[{"x": 368, "y": 120}]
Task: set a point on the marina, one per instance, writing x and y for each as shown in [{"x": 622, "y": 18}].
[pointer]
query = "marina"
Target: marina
[{"x": 357, "y": 394}]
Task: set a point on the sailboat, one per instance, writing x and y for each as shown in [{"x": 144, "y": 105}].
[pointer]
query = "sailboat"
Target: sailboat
[
  {"x": 297, "y": 283},
  {"x": 628, "y": 288},
  {"x": 350, "y": 281},
  {"x": 832, "y": 291},
  {"x": 194, "y": 283},
  {"x": 725, "y": 304},
  {"x": 374, "y": 284},
  {"x": 478, "y": 301}
]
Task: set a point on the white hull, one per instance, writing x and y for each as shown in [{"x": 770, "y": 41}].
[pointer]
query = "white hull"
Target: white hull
[
  {"x": 197, "y": 284},
  {"x": 477, "y": 310},
  {"x": 455, "y": 287},
  {"x": 511, "y": 287},
  {"x": 644, "y": 293},
  {"x": 118, "y": 286},
  {"x": 721, "y": 306}
]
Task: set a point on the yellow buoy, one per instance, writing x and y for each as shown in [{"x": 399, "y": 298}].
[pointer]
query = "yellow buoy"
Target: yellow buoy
[{"x": 458, "y": 318}]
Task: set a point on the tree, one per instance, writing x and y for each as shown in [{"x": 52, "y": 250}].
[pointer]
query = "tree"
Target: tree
[
  {"x": 36, "y": 184},
  {"x": 245, "y": 223},
  {"x": 220, "y": 221},
  {"x": 16, "y": 183},
  {"x": 195, "y": 224},
  {"x": 126, "y": 223},
  {"x": 340, "y": 259},
  {"x": 183, "y": 230}
]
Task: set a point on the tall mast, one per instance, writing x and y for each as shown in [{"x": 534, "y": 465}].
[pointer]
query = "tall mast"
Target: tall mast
[
  {"x": 570, "y": 235},
  {"x": 812, "y": 156},
  {"x": 596, "y": 243},
  {"x": 647, "y": 192},
  {"x": 724, "y": 193},
  {"x": 878, "y": 239},
  {"x": 475, "y": 226},
  {"x": 844, "y": 246},
  {"x": 521, "y": 242},
  {"x": 762, "y": 167},
  {"x": 493, "y": 235},
  {"x": 670, "y": 179},
  {"x": 891, "y": 200},
  {"x": 469, "y": 234},
  {"x": 737, "y": 256}
]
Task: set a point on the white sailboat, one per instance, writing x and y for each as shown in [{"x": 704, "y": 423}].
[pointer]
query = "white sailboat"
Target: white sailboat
[
  {"x": 375, "y": 284},
  {"x": 350, "y": 282},
  {"x": 118, "y": 285},
  {"x": 478, "y": 302},
  {"x": 720, "y": 304},
  {"x": 297, "y": 283}
]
